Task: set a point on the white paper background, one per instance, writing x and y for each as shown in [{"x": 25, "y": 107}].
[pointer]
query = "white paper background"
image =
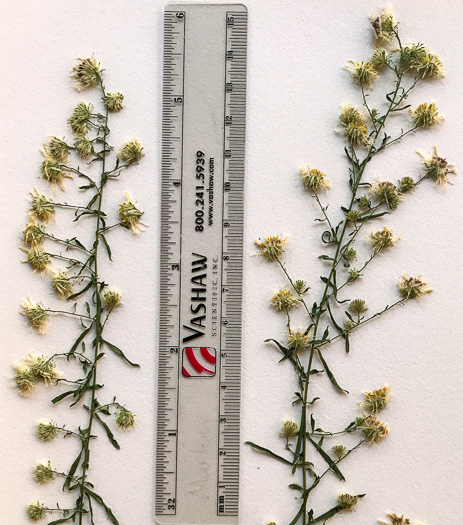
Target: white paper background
[{"x": 295, "y": 87}]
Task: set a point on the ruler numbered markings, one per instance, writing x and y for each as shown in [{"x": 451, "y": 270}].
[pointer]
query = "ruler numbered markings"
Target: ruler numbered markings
[{"x": 204, "y": 107}]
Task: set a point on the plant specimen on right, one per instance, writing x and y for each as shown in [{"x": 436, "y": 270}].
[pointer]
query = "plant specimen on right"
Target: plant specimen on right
[{"x": 337, "y": 313}]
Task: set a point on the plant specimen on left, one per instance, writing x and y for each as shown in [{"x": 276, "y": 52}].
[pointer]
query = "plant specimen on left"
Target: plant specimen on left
[{"x": 77, "y": 279}]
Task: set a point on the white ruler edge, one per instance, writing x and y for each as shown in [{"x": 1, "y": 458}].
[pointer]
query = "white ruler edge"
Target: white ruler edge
[{"x": 204, "y": 108}]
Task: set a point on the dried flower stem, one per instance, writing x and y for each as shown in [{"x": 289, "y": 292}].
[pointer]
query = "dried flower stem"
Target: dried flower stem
[
  {"x": 341, "y": 237},
  {"x": 103, "y": 299}
]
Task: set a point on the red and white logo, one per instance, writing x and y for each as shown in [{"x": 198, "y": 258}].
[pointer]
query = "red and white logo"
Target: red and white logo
[{"x": 199, "y": 361}]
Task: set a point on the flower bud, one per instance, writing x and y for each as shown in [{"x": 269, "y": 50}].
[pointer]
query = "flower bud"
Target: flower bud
[
  {"x": 43, "y": 472},
  {"x": 36, "y": 511},
  {"x": 112, "y": 298},
  {"x": 114, "y": 101},
  {"x": 289, "y": 429},
  {"x": 87, "y": 74},
  {"x": 125, "y": 419},
  {"x": 131, "y": 152},
  {"x": 46, "y": 431},
  {"x": 272, "y": 247}
]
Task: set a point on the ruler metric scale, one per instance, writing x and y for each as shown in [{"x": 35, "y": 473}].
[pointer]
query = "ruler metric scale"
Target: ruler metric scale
[{"x": 204, "y": 106}]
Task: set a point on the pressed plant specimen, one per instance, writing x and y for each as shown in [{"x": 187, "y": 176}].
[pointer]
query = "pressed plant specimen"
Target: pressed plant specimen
[
  {"x": 336, "y": 313},
  {"x": 79, "y": 280}
]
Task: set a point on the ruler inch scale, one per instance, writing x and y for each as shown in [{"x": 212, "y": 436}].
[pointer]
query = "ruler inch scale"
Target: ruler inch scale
[{"x": 199, "y": 378}]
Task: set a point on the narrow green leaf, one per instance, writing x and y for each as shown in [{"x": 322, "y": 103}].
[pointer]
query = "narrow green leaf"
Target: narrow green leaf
[
  {"x": 327, "y": 515},
  {"x": 62, "y": 396},
  {"x": 110, "y": 435},
  {"x": 119, "y": 352},
  {"x": 62, "y": 520},
  {"x": 325, "y": 258},
  {"x": 269, "y": 452},
  {"x": 99, "y": 500},
  {"x": 330, "y": 374},
  {"x": 346, "y": 338},
  {"x": 327, "y": 281},
  {"x": 72, "y": 470},
  {"x": 299, "y": 514},
  {"x": 108, "y": 249},
  {"x": 327, "y": 458},
  {"x": 92, "y": 201},
  {"x": 80, "y": 292},
  {"x": 313, "y": 401},
  {"x": 294, "y": 486},
  {"x": 78, "y": 340},
  {"x": 374, "y": 216}
]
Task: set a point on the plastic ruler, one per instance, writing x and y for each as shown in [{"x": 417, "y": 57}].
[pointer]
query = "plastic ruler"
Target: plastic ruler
[{"x": 203, "y": 140}]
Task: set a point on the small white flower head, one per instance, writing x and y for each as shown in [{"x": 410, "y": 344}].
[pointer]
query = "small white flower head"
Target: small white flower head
[
  {"x": 362, "y": 72},
  {"x": 62, "y": 283},
  {"x": 125, "y": 419},
  {"x": 43, "y": 472},
  {"x": 339, "y": 451},
  {"x": 350, "y": 255},
  {"x": 129, "y": 214},
  {"x": 80, "y": 118},
  {"x": 364, "y": 202},
  {"x": 26, "y": 380},
  {"x": 437, "y": 168},
  {"x": 33, "y": 233},
  {"x": 412, "y": 287},
  {"x": 300, "y": 287},
  {"x": 380, "y": 58},
  {"x": 353, "y": 275},
  {"x": 354, "y": 125},
  {"x": 426, "y": 115},
  {"x": 46, "y": 431},
  {"x": 406, "y": 184},
  {"x": 112, "y": 298},
  {"x": 381, "y": 239},
  {"x": 84, "y": 146},
  {"x": 131, "y": 152},
  {"x": 351, "y": 115},
  {"x": 38, "y": 258},
  {"x": 55, "y": 172},
  {"x": 431, "y": 66},
  {"x": 114, "y": 101},
  {"x": 396, "y": 520},
  {"x": 384, "y": 26},
  {"x": 36, "y": 511},
  {"x": 87, "y": 74},
  {"x": 283, "y": 300},
  {"x": 374, "y": 430},
  {"x": 314, "y": 180},
  {"x": 387, "y": 193},
  {"x": 299, "y": 340},
  {"x": 411, "y": 56},
  {"x": 349, "y": 326},
  {"x": 36, "y": 314},
  {"x": 43, "y": 207},
  {"x": 347, "y": 501},
  {"x": 352, "y": 216},
  {"x": 358, "y": 306},
  {"x": 271, "y": 523},
  {"x": 376, "y": 400},
  {"x": 272, "y": 247},
  {"x": 42, "y": 367},
  {"x": 57, "y": 149},
  {"x": 289, "y": 428}
]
